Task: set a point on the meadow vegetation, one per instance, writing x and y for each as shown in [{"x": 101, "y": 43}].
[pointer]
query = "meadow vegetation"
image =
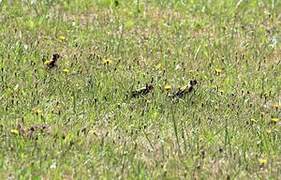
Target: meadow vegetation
[{"x": 78, "y": 119}]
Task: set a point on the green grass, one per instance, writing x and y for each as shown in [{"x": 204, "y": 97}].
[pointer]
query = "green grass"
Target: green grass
[{"x": 228, "y": 128}]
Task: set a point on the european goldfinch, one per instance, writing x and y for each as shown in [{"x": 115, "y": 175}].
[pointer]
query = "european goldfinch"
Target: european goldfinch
[
  {"x": 142, "y": 91},
  {"x": 184, "y": 90},
  {"x": 52, "y": 63}
]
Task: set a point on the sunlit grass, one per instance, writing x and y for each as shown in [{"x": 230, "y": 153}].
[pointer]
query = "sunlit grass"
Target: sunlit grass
[{"x": 118, "y": 104}]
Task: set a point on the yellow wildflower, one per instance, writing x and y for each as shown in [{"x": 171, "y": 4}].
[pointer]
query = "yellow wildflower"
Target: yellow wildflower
[
  {"x": 107, "y": 61},
  {"x": 15, "y": 131},
  {"x": 36, "y": 110},
  {"x": 218, "y": 71},
  {"x": 167, "y": 87},
  {"x": 262, "y": 162},
  {"x": 274, "y": 120},
  {"x": 66, "y": 71},
  {"x": 62, "y": 38}
]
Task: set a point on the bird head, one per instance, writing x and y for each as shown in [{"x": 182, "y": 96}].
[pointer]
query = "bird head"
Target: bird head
[
  {"x": 56, "y": 56},
  {"x": 149, "y": 86},
  {"x": 193, "y": 82}
]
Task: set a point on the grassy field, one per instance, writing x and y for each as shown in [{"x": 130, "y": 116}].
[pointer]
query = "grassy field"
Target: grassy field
[{"x": 78, "y": 119}]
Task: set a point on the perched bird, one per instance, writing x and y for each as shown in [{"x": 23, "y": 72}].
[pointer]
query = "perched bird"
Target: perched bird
[
  {"x": 184, "y": 90},
  {"x": 142, "y": 91},
  {"x": 52, "y": 63}
]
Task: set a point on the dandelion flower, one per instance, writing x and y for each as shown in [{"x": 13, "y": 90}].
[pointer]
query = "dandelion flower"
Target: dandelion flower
[
  {"x": 62, "y": 38},
  {"x": 15, "y": 131},
  {"x": 36, "y": 110},
  {"x": 66, "y": 71},
  {"x": 167, "y": 87},
  {"x": 274, "y": 120},
  {"x": 262, "y": 162},
  {"x": 107, "y": 61},
  {"x": 218, "y": 71}
]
